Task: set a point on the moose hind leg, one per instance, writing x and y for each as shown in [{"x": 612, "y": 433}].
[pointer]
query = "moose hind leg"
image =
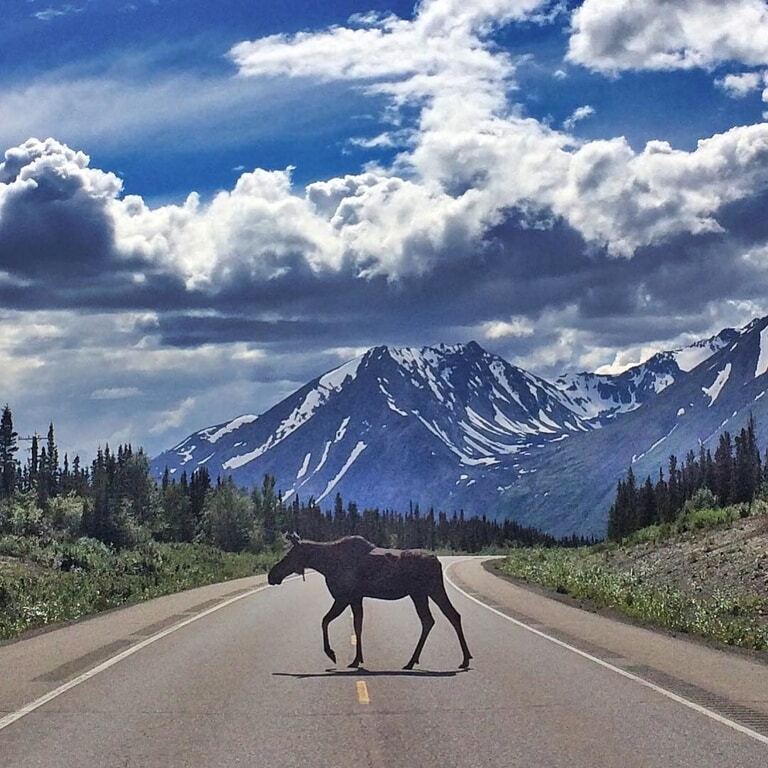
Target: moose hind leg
[
  {"x": 421, "y": 603},
  {"x": 335, "y": 611},
  {"x": 440, "y": 596},
  {"x": 357, "y": 617}
]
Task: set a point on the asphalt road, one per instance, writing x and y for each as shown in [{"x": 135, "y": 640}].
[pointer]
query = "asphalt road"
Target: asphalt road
[{"x": 248, "y": 685}]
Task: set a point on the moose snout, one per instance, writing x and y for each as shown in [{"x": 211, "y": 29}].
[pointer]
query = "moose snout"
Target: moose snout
[{"x": 272, "y": 579}]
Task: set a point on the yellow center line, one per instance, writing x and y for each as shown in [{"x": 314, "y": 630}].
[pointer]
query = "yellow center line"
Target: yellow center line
[
  {"x": 362, "y": 692},
  {"x": 353, "y": 640}
]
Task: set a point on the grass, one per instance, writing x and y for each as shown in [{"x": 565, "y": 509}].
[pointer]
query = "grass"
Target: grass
[
  {"x": 44, "y": 582},
  {"x": 585, "y": 574}
]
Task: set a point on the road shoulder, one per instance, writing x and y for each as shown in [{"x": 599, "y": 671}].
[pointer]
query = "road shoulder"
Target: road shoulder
[
  {"x": 725, "y": 679},
  {"x": 35, "y": 664}
]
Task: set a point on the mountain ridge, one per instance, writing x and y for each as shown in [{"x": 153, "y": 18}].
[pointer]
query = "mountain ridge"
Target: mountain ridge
[{"x": 457, "y": 427}]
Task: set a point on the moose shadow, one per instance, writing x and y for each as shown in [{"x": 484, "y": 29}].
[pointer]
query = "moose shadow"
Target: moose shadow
[{"x": 362, "y": 672}]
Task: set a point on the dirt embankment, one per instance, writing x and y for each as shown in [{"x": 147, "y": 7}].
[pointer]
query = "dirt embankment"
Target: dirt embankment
[{"x": 732, "y": 560}]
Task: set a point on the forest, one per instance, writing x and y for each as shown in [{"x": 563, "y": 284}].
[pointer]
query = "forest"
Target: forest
[
  {"x": 115, "y": 500},
  {"x": 736, "y": 474}
]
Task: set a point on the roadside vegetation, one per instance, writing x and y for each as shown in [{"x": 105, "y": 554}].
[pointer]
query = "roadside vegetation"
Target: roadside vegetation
[
  {"x": 75, "y": 539},
  {"x": 44, "y": 582},
  {"x": 705, "y": 573}
]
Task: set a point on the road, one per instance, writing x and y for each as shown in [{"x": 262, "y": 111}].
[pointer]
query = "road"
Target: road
[{"x": 247, "y": 684}]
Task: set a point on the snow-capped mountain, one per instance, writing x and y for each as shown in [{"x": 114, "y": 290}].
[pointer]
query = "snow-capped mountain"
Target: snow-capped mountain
[
  {"x": 394, "y": 425},
  {"x": 458, "y": 427},
  {"x": 599, "y": 397},
  {"x": 574, "y": 482}
]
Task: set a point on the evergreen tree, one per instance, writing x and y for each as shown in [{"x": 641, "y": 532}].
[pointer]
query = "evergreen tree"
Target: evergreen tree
[
  {"x": 723, "y": 470},
  {"x": 8, "y": 449}
]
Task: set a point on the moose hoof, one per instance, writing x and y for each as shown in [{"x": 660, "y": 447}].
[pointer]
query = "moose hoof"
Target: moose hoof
[
  {"x": 355, "y": 664},
  {"x": 331, "y": 655},
  {"x": 410, "y": 665},
  {"x": 464, "y": 664}
]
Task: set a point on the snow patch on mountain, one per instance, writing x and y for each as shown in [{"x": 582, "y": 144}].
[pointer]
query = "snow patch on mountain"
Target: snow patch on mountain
[
  {"x": 231, "y": 427},
  {"x": 304, "y": 466},
  {"x": 762, "y": 360},
  {"x": 356, "y": 451},
  {"x": 714, "y": 390}
]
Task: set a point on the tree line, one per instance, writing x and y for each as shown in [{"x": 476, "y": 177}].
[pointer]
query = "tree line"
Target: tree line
[
  {"x": 116, "y": 500},
  {"x": 733, "y": 475}
]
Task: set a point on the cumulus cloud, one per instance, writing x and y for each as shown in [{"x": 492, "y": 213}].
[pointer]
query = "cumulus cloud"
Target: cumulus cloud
[
  {"x": 737, "y": 86},
  {"x": 516, "y": 326},
  {"x": 53, "y": 209},
  {"x": 487, "y": 224},
  {"x": 175, "y": 417},
  {"x": 614, "y": 35},
  {"x": 470, "y": 159},
  {"x": 474, "y": 157},
  {"x": 578, "y": 114}
]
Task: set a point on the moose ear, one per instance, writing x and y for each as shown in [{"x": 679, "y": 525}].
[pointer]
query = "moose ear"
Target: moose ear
[{"x": 293, "y": 538}]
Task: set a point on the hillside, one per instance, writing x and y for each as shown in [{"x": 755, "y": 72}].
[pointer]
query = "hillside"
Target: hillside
[
  {"x": 706, "y": 574},
  {"x": 574, "y": 482}
]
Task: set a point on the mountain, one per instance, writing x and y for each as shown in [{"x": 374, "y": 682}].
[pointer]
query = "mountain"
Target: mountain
[
  {"x": 392, "y": 426},
  {"x": 457, "y": 427},
  {"x": 574, "y": 483},
  {"x": 599, "y": 397}
]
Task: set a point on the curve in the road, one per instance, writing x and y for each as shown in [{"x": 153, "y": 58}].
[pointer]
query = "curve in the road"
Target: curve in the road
[{"x": 613, "y": 668}]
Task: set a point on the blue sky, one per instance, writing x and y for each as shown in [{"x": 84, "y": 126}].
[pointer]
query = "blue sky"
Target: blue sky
[
  {"x": 528, "y": 173},
  {"x": 145, "y": 41}
]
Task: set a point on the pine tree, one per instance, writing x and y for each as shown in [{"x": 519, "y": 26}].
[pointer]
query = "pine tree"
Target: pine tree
[
  {"x": 51, "y": 469},
  {"x": 724, "y": 470},
  {"x": 647, "y": 512},
  {"x": 8, "y": 449}
]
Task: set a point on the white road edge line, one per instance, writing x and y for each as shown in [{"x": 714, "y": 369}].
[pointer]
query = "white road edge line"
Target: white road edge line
[
  {"x": 110, "y": 662},
  {"x": 623, "y": 672}
]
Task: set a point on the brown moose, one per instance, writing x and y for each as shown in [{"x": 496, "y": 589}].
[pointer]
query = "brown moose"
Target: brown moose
[{"x": 354, "y": 568}]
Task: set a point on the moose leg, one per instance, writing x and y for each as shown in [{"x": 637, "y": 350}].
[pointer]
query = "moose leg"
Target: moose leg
[
  {"x": 421, "y": 603},
  {"x": 336, "y": 610},
  {"x": 440, "y": 596},
  {"x": 357, "y": 617}
]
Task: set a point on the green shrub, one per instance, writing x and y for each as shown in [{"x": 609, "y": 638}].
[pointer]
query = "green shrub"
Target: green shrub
[
  {"x": 702, "y": 499},
  {"x": 698, "y": 519},
  {"x": 66, "y": 514},
  {"x": 583, "y": 574},
  {"x": 229, "y": 520},
  {"x": 74, "y": 579},
  {"x": 20, "y": 516}
]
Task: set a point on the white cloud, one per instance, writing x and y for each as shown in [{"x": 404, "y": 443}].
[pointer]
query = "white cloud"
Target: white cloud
[
  {"x": 628, "y": 358},
  {"x": 131, "y": 101},
  {"x": 614, "y": 35},
  {"x": 514, "y": 327},
  {"x": 468, "y": 159},
  {"x": 737, "y": 86},
  {"x": 255, "y": 230},
  {"x": 175, "y": 417},
  {"x": 115, "y": 393},
  {"x": 54, "y": 12},
  {"x": 578, "y": 114}
]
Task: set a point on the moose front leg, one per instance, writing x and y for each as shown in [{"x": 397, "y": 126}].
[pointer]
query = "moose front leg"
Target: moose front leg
[
  {"x": 336, "y": 610},
  {"x": 357, "y": 617}
]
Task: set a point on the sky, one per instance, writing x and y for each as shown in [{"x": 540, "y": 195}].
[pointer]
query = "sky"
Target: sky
[{"x": 205, "y": 205}]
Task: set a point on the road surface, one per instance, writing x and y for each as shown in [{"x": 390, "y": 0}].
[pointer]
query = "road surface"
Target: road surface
[{"x": 240, "y": 680}]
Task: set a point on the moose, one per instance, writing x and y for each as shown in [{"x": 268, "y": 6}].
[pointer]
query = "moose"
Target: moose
[{"x": 354, "y": 568}]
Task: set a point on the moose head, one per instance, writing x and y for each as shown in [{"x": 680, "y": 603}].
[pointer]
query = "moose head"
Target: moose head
[{"x": 294, "y": 560}]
